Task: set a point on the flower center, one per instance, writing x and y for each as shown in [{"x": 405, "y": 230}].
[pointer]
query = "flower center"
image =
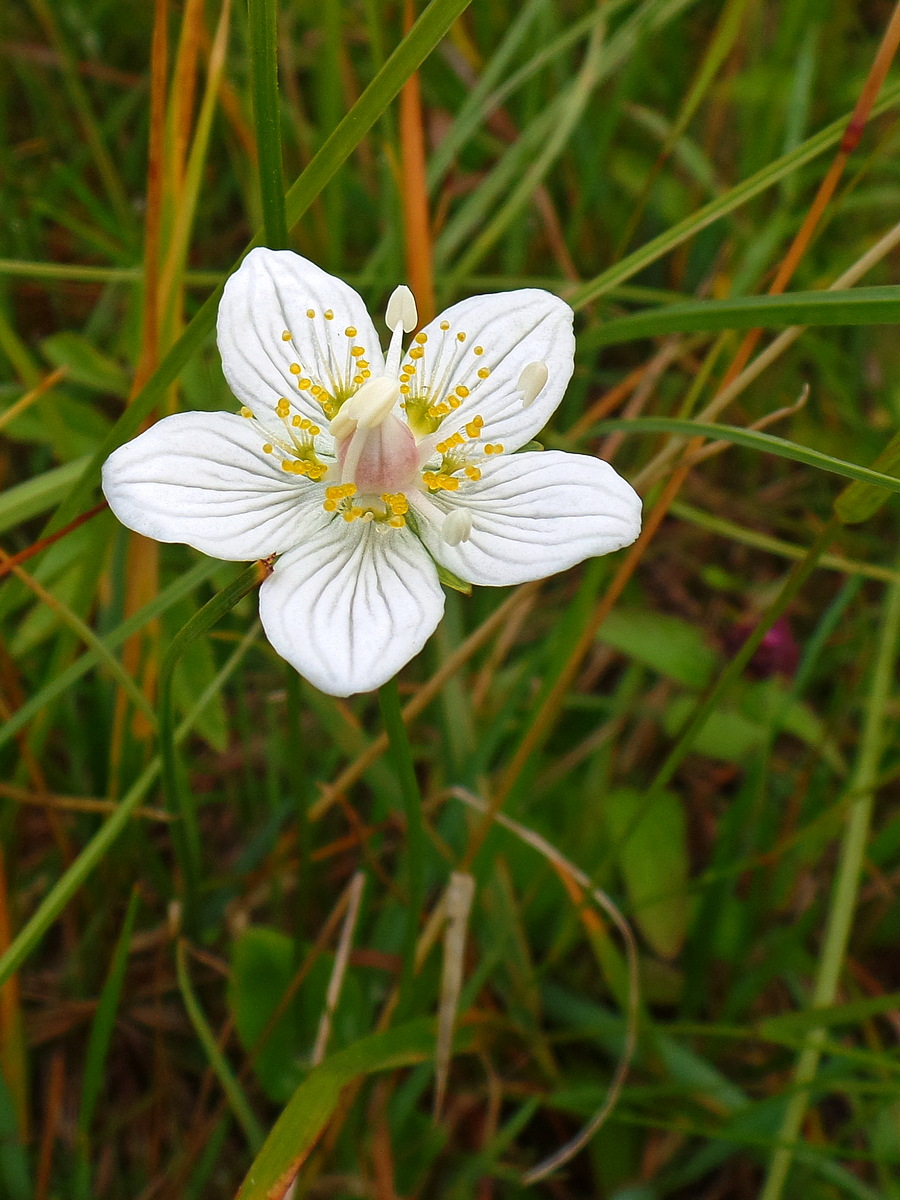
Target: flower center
[{"x": 377, "y": 454}]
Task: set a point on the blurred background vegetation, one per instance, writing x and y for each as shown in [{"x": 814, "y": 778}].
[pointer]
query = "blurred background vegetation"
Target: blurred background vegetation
[{"x": 627, "y": 155}]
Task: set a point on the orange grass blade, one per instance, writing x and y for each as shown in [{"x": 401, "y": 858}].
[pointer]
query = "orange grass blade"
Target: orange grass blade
[{"x": 415, "y": 190}]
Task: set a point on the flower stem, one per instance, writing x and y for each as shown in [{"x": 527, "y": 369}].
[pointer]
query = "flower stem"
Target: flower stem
[
  {"x": 844, "y": 893},
  {"x": 389, "y": 700}
]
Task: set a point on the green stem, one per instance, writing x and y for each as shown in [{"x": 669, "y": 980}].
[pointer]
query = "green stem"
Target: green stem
[
  {"x": 844, "y": 894},
  {"x": 264, "y": 74},
  {"x": 389, "y": 700}
]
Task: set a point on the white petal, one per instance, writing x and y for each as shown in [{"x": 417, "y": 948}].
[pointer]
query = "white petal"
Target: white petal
[
  {"x": 512, "y": 330},
  {"x": 534, "y": 514},
  {"x": 270, "y": 295},
  {"x": 351, "y": 605},
  {"x": 202, "y": 478}
]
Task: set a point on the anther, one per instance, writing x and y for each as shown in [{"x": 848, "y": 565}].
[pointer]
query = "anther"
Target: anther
[
  {"x": 329, "y": 315},
  {"x": 456, "y": 527},
  {"x": 295, "y": 368},
  {"x": 460, "y": 337},
  {"x": 286, "y": 336},
  {"x": 350, "y": 331},
  {"x": 401, "y": 310},
  {"x": 483, "y": 373},
  {"x": 310, "y": 312},
  {"x": 246, "y": 412},
  {"x": 445, "y": 325},
  {"x": 478, "y": 350},
  {"x": 531, "y": 382}
]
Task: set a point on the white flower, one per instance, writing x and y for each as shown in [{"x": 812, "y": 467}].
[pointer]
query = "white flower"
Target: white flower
[{"x": 363, "y": 472}]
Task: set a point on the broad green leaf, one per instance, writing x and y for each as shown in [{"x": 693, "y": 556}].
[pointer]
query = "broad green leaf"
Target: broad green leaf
[
  {"x": 296, "y": 1130},
  {"x": 85, "y": 363},
  {"x": 726, "y": 735},
  {"x": 666, "y": 644},
  {"x": 853, "y": 306},
  {"x": 650, "y": 837},
  {"x": 886, "y": 1133},
  {"x": 262, "y": 966},
  {"x": 71, "y": 427}
]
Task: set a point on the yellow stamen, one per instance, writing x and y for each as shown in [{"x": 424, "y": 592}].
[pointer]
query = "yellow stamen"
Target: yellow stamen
[
  {"x": 286, "y": 336},
  {"x": 246, "y": 412},
  {"x": 295, "y": 368},
  {"x": 478, "y": 350},
  {"x": 483, "y": 373},
  {"x": 310, "y": 312},
  {"x": 350, "y": 331}
]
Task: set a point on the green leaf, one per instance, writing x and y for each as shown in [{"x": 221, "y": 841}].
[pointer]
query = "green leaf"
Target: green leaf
[
  {"x": 448, "y": 579},
  {"x": 14, "y": 1173},
  {"x": 854, "y": 306},
  {"x": 262, "y": 966},
  {"x": 306, "y": 1115},
  {"x": 726, "y": 735},
  {"x": 859, "y": 501},
  {"x": 650, "y": 837},
  {"x": 664, "y": 643},
  {"x": 86, "y": 364},
  {"x": 798, "y": 1024},
  {"x": 263, "y": 26},
  {"x": 767, "y": 443},
  {"x": 98, "y": 1045},
  {"x": 25, "y": 500},
  {"x": 237, "y": 1100}
]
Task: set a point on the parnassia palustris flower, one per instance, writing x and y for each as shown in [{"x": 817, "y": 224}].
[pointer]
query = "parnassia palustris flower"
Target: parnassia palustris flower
[{"x": 363, "y": 472}]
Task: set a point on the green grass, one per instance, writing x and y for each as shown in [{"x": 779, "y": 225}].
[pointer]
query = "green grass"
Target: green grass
[{"x": 211, "y": 875}]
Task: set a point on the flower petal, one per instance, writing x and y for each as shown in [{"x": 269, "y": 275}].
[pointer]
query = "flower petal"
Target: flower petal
[
  {"x": 202, "y": 478},
  {"x": 501, "y": 334},
  {"x": 270, "y": 295},
  {"x": 351, "y": 605},
  {"x": 537, "y": 513}
]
